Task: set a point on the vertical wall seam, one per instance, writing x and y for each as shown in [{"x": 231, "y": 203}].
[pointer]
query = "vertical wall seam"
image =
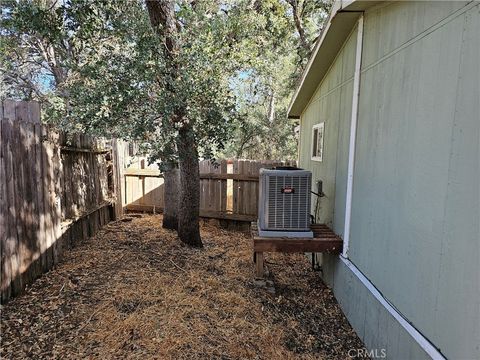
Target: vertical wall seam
[{"x": 452, "y": 140}]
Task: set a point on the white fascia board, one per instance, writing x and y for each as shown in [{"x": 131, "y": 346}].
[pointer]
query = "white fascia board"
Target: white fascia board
[
  {"x": 337, "y": 5},
  {"x": 341, "y": 21}
]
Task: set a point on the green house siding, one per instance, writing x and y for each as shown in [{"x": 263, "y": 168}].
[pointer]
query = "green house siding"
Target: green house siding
[
  {"x": 331, "y": 104},
  {"x": 416, "y": 192},
  {"x": 415, "y": 209}
]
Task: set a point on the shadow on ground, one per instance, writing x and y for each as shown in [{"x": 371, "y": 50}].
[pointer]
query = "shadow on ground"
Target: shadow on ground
[{"x": 134, "y": 291}]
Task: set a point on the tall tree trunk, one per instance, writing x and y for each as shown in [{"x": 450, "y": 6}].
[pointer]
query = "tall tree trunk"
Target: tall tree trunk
[
  {"x": 171, "y": 191},
  {"x": 271, "y": 107},
  {"x": 162, "y": 19},
  {"x": 189, "y": 206}
]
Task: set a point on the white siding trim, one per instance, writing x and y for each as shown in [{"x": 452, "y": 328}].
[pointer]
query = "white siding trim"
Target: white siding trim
[
  {"x": 353, "y": 135},
  {"x": 421, "y": 340}
]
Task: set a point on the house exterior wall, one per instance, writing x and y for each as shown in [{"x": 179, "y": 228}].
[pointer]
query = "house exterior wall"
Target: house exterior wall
[
  {"x": 416, "y": 194},
  {"x": 331, "y": 104},
  {"x": 375, "y": 325}
]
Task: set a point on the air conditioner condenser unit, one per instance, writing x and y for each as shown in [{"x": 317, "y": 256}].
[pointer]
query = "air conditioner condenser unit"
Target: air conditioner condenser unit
[{"x": 284, "y": 203}]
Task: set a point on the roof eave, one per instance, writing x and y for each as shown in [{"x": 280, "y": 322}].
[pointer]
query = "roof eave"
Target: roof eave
[{"x": 342, "y": 20}]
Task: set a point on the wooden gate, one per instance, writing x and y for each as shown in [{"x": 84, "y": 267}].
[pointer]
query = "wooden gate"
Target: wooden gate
[{"x": 228, "y": 188}]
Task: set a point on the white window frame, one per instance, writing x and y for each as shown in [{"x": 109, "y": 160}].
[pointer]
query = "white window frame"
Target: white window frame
[{"x": 320, "y": 127}]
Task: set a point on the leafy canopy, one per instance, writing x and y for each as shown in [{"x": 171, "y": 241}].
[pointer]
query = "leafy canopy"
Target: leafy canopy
[{"x": 98, "y": 67}]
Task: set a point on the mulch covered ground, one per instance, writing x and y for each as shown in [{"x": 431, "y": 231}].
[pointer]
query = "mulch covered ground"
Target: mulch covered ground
[{"x": 134, "y": 291}]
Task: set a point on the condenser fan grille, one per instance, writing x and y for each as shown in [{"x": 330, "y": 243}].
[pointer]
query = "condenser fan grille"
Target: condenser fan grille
[{"x": 288, "y": 202}]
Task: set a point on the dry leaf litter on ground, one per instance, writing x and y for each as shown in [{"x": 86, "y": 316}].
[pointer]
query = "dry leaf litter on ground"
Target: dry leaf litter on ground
[{"x": 135, "y": 291}]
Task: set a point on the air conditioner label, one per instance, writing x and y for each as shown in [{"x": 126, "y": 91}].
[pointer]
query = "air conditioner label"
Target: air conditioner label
[{"x": 288, "y": 190}]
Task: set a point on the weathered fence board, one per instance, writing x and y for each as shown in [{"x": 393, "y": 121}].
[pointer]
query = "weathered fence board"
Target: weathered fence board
[
  {"x": 53, "y": 192},
  {"x": 228, "y": 188}
]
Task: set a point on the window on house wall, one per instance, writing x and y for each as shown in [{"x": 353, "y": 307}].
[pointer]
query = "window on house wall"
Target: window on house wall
[{"x": 318, "y": 133}]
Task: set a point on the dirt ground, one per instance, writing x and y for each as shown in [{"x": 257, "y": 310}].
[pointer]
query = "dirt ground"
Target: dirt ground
[{"x": 134, "y": 291}]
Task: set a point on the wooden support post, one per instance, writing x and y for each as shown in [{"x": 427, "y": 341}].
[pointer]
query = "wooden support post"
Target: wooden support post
[{"x": 259, "y": 265}]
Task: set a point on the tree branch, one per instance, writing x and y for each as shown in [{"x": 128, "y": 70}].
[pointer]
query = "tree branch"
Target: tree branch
[{"x": 297, "y": 12}]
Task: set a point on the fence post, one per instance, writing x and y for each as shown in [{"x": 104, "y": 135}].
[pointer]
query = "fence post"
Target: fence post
[{"x": 117, "y": 155}]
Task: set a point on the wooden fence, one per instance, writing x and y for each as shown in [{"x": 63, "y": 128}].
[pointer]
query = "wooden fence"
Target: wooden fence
[
  {"x": 55, "y": 190},
  {"x": 228, "y": 189}
]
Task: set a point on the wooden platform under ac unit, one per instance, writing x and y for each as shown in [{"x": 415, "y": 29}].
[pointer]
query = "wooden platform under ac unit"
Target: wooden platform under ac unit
[{"x": 324, "y": 241}]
